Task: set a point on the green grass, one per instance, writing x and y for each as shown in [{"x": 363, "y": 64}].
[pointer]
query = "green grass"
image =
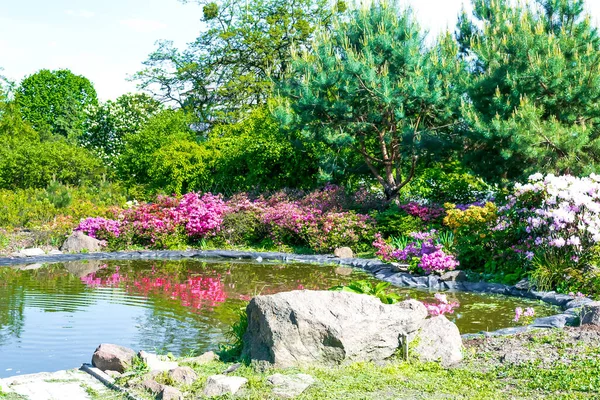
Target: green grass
[{"x": 576, "y": 375}]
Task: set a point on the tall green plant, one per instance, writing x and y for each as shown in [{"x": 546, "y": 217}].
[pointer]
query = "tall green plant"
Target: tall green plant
[
  {"x": 534, "y": 89},
  {"x": 371, "y": 85}
]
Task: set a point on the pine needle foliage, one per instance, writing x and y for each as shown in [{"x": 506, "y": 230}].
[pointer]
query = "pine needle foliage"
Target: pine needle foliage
[{"x": 370, "y": 84}]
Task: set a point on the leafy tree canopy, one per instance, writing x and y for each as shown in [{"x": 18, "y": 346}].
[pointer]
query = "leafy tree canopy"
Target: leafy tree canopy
[
  {"x": 370, "y": 84},
  {"x": 111, "y": 121},
  {"x": 534, "y": 90},
  {"x": 55, "y": 102},
  {"x": 230, "y": 66}
]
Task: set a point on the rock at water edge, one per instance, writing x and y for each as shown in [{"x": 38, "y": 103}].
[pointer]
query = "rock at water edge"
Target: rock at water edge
[
  {"x": 79, "y": 242},
  {"x": 219, "y": 385},
  {"x": 304, "y": 327},
  {"x": 113, "y": 357}
]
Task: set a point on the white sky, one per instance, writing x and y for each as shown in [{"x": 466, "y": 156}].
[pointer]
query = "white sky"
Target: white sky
[{"x": 107, "y": 40}]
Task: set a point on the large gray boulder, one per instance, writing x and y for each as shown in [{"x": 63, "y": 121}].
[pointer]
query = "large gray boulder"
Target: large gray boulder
[
  {"x": 303, "y": 327},
  {"x": 590, "y": 314},
  {"x": 112, "y": 357},
  {"x": 438, "y": 340},
  {"x": 79, "y": 242}
]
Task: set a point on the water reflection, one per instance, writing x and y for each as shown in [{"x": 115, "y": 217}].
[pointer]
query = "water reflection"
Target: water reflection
[{"x": 53, "y": 317}]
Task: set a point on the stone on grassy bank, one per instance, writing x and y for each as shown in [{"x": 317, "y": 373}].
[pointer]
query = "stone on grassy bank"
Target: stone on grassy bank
[
  {"x": 79, "y": 242},
  {"x": 590, "y": 314},
  {"x": 304, "y": 327},
  {"x": 343, "y": 252},
  {"x": 438, "y": 340},
  {"x": 113, "y": 357},
  {"x": 290, "y": 386},
  {"x": 220, "y": 385}
]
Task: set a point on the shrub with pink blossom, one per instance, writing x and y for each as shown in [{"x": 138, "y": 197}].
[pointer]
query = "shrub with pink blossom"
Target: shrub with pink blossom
[
  {"x": 100, "y": 228},
  {"x": 426, "y": 213}
]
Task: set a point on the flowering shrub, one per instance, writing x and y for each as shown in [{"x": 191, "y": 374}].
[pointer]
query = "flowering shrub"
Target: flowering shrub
[
  {"x": 100, "y": 228},
  {"x": 557, "y": 220},
  {"x": 443, "y": 306},
  {"x": 425, "y": 252},
  {"x": 423, "y": 212}
]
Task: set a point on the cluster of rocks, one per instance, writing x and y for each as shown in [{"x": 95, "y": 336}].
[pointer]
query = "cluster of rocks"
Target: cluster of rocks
[
  {"x": 113, "y": 360},
  {"x": 301, "y": 328}
]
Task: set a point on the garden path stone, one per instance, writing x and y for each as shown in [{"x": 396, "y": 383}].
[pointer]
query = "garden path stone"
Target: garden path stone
[
  {"x": 290, "y": 386},
  {"x": 438, "y": 340},
  {"x": 590, "y": 314},
  {"x": 219, "y": 385},
  {"x": 113, "y": 357},
  {"x": 67, "y": 385},
  {"x": 304, "y": 327}
]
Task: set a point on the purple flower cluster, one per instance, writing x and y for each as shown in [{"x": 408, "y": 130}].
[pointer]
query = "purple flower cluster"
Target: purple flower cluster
[
  {"x": 99, "y": 227},
  {"x": 438, "y": 261}
]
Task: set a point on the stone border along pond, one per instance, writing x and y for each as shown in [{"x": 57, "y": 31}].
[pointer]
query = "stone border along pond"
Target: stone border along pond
[{"x": 383, "y": 271}]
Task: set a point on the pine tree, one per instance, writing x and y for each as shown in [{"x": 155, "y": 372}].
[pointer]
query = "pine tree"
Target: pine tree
[
  {"x": 370, "y": 84},
  {"x": 534, "y": 93}
]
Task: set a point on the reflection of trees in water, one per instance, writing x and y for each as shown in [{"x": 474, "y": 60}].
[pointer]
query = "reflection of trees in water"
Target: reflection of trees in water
[
  {"x": 12, "y": 309},
  {"x": 50, "y": 288}
]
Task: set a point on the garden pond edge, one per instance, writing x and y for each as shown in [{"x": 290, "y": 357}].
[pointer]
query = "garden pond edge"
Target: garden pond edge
[{"x": 380, "y": 270}]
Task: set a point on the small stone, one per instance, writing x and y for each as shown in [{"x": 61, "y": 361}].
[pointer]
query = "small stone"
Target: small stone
[
  {"x": 154, "y": 363},
  {"x": 17, "y": 255},
  {"x": 33, "y": 252},
  {"x": 152, "y": 386},
  {"x": 232, "y": 368},
  {"x": 454, "y": 276},
  {"x": 113, "y": 357},
  {"x": 30, "y": 267},
  {"x": 290, "y": 386},
  {"x": 259, "y": 259},
  {"x": 202, "y": 359},
  {"x": 112, "y": 374},
  {"x": 170, "y": 393},
  {"x": 344, "y": 271},
  {"x": 397, "y": 267},
  {"x": 183, "y": 375},
  {"x": 590, "y": 314},
  {"x": 55, "y": 252},
  {"x": 219, "y": 385},
  {"x": 523, "y": 284},
  {"x": 343, "y": 252}
]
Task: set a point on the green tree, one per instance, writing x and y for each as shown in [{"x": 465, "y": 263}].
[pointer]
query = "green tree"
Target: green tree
[
  {"x": 534, "y": 91},
  {"x": 230, "y": 66},
  {"x": 371, "y": 85},
  {"x": 255, "y": 155},
  {"x": 55, "y": 102},
  {"x": 111, "y": 121},
  {"x": 167, "y": 134}
]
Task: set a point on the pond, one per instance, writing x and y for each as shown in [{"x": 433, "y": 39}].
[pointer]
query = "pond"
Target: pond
[{"x": 52, "y": 317}]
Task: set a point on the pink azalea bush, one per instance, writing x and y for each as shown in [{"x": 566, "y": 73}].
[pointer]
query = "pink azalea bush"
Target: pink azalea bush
[{"x": 314, "y": 220}]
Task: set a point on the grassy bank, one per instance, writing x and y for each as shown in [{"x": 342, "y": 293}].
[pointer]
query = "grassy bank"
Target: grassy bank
[{"x": 558, "y": 364}]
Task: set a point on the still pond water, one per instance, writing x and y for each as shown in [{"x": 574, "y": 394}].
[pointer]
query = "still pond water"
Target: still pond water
[{"x": 53, "y": 317}]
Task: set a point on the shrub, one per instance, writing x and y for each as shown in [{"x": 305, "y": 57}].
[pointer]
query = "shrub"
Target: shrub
[
  {"x": 557, "y": 219},
  {"x": 394, "y": 222}
]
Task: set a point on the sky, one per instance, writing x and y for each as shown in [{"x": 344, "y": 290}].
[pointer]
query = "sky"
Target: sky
[{"x": 107, "y": 40}]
